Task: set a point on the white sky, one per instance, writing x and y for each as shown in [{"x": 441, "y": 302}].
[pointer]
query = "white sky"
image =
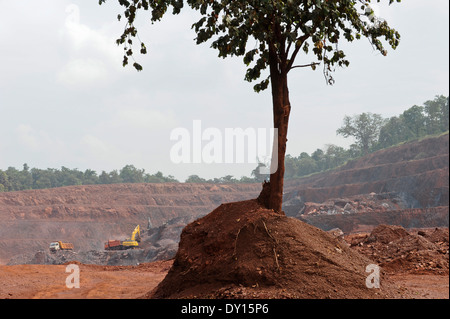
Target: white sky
[{"x": 65, "y": 99}]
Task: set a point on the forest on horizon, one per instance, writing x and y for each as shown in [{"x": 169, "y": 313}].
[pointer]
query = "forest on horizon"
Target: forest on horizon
[{"x": 371, "y": 133}]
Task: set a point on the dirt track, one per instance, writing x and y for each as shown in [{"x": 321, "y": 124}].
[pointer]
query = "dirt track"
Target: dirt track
[
  {"x": 425, "y": 286},
  {"x": 109, "y": 282},
  {"x": 103, "y": 282}
]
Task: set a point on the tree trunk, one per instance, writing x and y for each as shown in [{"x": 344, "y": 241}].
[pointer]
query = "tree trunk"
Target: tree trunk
[{"x": 272, "y": 193}]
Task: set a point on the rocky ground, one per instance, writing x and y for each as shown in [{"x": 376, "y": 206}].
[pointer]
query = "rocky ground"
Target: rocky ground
[{"x": 398, "y": 250}]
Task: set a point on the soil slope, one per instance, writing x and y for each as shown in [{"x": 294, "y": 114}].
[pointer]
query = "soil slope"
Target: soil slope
[
  {"x": 412, "y": 177},
  {"x": 242, "y": 250}
]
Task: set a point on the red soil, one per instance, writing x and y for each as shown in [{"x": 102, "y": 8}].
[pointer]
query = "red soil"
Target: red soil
[{"x": 242, "y": 250}]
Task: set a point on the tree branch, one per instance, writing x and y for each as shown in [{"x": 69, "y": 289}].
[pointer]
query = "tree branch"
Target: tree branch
[
  {"x": 305, "y": 65},
  {"x": 290, "y": 43},
  {"x": 301, "y": 39}
]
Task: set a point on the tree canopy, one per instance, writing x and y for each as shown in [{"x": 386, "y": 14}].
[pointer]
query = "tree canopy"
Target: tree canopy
[
  {"x": 13, "y": 179},
  {"x": 365, "y": 128},
  {"x": 416, "y": 122},
  {"x": 255, "y": 29}
]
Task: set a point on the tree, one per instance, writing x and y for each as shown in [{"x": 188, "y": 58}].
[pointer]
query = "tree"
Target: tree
[
  {"x": 445, "y": 115},
  {"x": 90, "y": 177},
  {"x": 130, "y": 174},
  {"x": 228, "y": 179},
  {"x": 4, "y": 182},
  {"x": 242, "y": 180},
  {"x": 335, "y": 156},
  {"x": 159, "y": 177},
  {"x": 391, "y": 133},
  {"x": 195, "y": 179},
  {"x": 319, "y": 157},
  {"x": 103, "y": 178},
  {"x": 270, "y": 34},
  {"x": 306, "y": 166},
  {"x": 114, "y": 177},
  {"x": 69, "y": 177},
  {"x": 14, "y": 179},
  {"x": 436, "y": 114},
  {"x": 414, "y": 120},
  {"x": 365, "y": 128},
  {"x": 43, "y": 178},
  {"x": 291, "y": 168},
  {"x": 26, "y": 179}
]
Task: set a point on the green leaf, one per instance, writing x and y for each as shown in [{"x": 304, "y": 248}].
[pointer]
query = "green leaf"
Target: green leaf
[
  {"x": 306, "y": 27},
  {"x": 143, "y": 48}
]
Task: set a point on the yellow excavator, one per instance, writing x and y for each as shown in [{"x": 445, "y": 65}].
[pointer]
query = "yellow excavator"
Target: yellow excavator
[{"x": 129, "y": 243}]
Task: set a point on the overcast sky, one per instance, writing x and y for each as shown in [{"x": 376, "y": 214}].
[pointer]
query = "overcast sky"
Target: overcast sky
[{"x": 66, "y": 100}]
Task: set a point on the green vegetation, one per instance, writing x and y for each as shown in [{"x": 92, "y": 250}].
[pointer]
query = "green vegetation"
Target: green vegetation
[
  {"x": 371, "y": 133},
  {"x": 365, "y": 128},
  {"x": 414, "y": 123},
  {"x": 16, "y": 180}
]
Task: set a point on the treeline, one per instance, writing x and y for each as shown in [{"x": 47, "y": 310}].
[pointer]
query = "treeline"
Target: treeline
[
  {"x": 372, "y": 132},
  {"x": 15, "y": 180},
  {"x": 415, "y": 122},
  {"x": 229, "y": 179}
]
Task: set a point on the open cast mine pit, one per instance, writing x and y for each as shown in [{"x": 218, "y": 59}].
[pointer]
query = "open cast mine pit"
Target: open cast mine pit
[{"x": 216, "y": 241}]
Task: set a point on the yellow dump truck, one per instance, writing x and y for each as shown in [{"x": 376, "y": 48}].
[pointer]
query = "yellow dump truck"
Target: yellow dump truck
[{"x": 59, "y": 245}]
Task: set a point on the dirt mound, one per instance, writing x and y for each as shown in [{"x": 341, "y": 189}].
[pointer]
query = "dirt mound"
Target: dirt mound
[
  {"x": 242, "y": 250},
  {"x": 415, "y": 253},
  {"x": 387, "y": 233},
  {"x": 400, "y": 251},
  {"x": 439, "y": 235}
]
